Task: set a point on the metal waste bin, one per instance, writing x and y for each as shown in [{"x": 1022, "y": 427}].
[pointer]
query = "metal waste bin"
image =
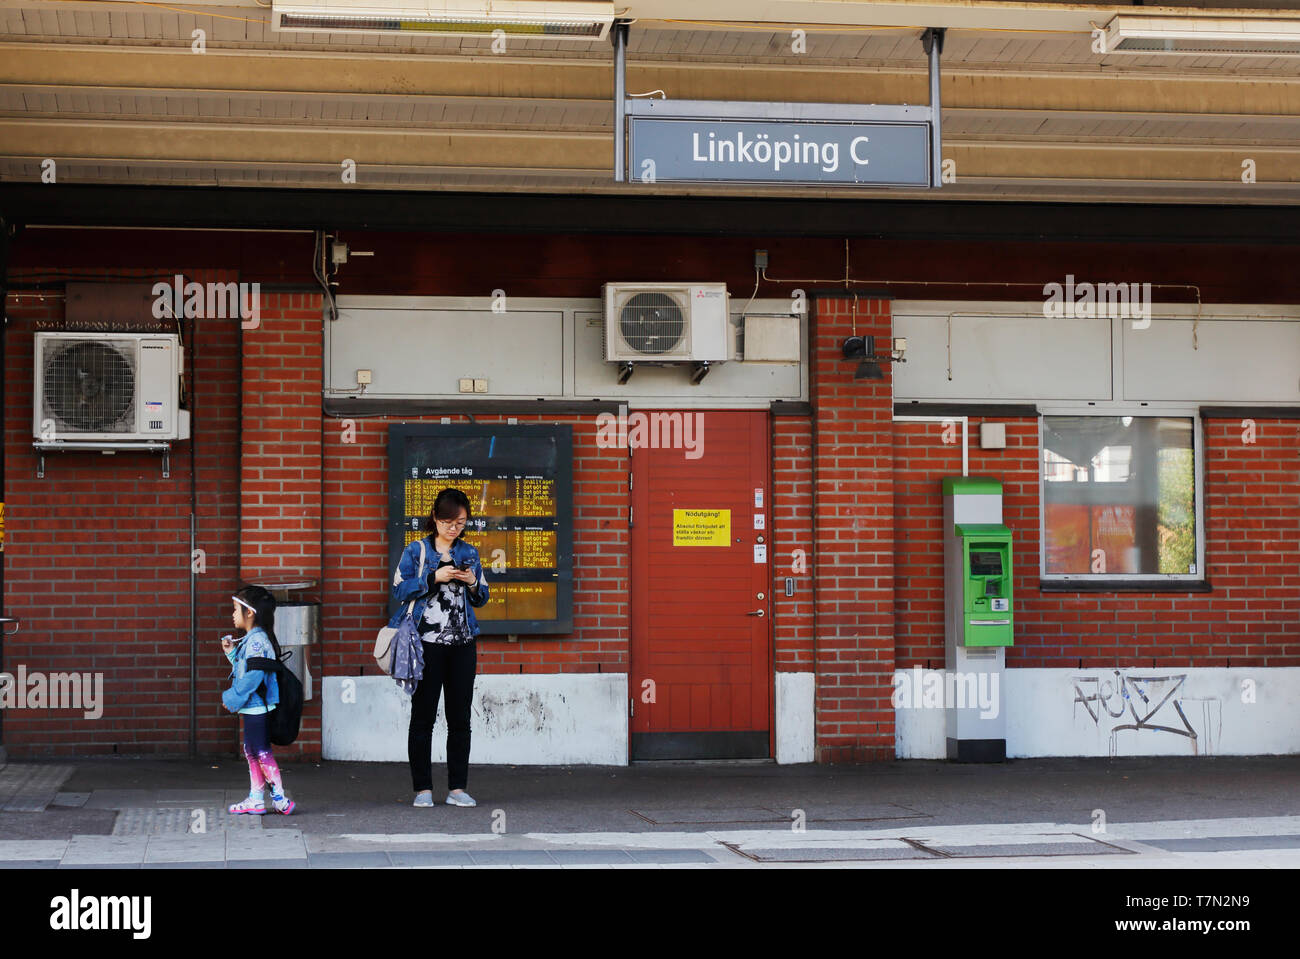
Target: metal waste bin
[{"x": 297, "y": 628}]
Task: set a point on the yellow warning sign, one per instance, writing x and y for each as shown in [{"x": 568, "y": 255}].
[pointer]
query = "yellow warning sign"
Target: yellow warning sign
[{"x": 701, "y": 527}]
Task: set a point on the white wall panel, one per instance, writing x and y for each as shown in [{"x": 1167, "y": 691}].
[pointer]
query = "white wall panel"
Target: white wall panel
[
  {"x": 532, "y": 719},
  {"x": 424, "y": 352},
  {"x": 795, "y": 717},
  {"x": 419, "y": 347},
  {"x": 1187, "y": 711},
  {"x": 1234, "y": 361},
  {"x": 1004, "y": 356}
]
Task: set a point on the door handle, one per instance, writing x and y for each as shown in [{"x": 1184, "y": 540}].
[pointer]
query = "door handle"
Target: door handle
[{"x": 757, "y": 612}]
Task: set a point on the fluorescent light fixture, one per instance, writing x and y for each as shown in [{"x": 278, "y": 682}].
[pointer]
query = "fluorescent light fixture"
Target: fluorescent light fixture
[
  {"x": 1202, "y": 36},
  {"x": 539, "y": 19}
]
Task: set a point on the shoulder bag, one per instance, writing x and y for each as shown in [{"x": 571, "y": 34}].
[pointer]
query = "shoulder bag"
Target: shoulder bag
[{"x": 384, "y": 639}]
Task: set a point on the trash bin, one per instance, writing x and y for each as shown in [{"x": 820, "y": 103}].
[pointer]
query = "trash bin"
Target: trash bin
[{"x": 297, "y": 628}]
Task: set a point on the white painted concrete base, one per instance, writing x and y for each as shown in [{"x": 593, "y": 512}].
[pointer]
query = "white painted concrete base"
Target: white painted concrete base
[
  {"x": 1167, "y": 711},
  {"x": 794, "y": 717},
  {"x": 537, "y": 719}
]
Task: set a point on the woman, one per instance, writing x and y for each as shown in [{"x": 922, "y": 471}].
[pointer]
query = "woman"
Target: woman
[{"x": 445, "y": 599}]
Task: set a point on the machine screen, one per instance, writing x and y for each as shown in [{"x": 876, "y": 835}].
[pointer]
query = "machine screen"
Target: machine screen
[{"x": 986, "y": 564}]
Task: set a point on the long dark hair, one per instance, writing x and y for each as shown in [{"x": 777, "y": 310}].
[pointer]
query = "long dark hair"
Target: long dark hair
[
  {"x": 263, "y": 604},
  {"x": 447, "y": 504}
]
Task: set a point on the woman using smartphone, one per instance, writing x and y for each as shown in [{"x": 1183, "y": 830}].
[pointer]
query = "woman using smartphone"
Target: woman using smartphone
[{"x": 444, "y": 614}]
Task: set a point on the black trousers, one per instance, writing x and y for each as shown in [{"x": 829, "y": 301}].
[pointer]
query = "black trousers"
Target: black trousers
[{"x": 451, "y": 667}]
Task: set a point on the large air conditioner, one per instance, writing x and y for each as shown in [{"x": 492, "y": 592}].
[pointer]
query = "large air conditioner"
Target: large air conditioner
[
  {"x": 667, "y": 323},
  {"x": 525, "y": 19},
  {"x": 109, "y": 387}
]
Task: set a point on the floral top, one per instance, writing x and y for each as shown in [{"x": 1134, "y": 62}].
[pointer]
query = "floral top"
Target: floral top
[{"x": 444, "y": 620}]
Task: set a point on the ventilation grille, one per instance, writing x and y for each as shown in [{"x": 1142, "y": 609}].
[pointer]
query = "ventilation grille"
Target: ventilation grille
[
  {"x": 89, "y": 386},
  {"x": 652, "y": 323}
]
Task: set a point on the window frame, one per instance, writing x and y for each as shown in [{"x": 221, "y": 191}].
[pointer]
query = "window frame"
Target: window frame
[{"x": 1085, "y": 581}]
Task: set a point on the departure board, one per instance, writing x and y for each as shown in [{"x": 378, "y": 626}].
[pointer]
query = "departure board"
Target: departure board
[{"x": 518, "y": 482}]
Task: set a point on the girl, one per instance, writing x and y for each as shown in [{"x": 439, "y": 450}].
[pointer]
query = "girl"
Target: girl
[
  {"x": 254, "y": 616},
  {"x": 452, "y": 587}
]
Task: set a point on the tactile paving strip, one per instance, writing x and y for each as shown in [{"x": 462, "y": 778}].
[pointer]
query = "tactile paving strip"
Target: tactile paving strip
[
  {"x": 30, "y": 788},
  {"x": 1017, "y": 850},
  {"x": 704, "y": 815},
  {"x": 806, "y": 854},
  {"x": 180, "y": 821}
]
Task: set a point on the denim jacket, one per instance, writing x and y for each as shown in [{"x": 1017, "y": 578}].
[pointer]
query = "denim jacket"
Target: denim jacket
[
  {"x": 243, "y": 696},
  {"x": 408, "y": 584}
]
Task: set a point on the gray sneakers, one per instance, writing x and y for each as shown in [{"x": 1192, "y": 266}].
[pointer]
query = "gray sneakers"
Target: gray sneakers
[{"x": 425, "y": 799}]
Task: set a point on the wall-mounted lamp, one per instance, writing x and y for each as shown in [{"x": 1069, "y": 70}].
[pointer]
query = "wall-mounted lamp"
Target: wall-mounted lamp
[{"x": 863, "y": 349}]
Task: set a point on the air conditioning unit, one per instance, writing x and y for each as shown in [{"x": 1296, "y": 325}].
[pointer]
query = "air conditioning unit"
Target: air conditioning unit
[
  {"x": 666, "y": 323},
  {"x": 108, "y": 387}
]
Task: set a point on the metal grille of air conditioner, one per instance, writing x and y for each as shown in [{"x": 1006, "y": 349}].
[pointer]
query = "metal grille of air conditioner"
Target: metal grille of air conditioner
[
  {"x": 652, "y": 323},
  {"x": 88, "y": 386}
]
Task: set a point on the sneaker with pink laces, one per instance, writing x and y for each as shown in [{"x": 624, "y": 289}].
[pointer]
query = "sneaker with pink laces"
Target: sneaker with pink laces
[{"x": 251, "y": 806}]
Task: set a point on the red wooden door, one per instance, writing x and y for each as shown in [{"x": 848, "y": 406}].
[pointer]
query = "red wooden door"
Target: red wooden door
[{"x": 701, "y": 661}]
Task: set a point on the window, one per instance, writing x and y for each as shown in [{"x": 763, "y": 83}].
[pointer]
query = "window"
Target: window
[{"x": 1120, "y": 497}]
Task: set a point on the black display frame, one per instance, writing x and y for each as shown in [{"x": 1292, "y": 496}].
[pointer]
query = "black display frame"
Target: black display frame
[{"x": 400, "y": 436}]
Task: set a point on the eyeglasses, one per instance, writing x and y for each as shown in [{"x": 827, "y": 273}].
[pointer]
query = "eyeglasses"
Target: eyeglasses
[{"x": 451, "y": 523}]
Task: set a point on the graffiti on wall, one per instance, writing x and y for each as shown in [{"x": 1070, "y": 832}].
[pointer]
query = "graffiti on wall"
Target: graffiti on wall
[{"x": 1117, "y": 701}]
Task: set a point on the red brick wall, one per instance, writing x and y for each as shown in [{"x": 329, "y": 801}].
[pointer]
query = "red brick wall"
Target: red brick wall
[
  {"x": 853, "y": 491},
  {"x": 280, "y": 493},
  {"x": 792, "y": 616},
  {"x": 97, "y": 559},
  {"x": 1252, "y": 515},
  {"x": 280, "y": 441},
  {"x": 921, "y": 459}
]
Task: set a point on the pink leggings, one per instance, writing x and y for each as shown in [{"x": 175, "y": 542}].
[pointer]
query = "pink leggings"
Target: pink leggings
[{"x": 262, "y": 768}]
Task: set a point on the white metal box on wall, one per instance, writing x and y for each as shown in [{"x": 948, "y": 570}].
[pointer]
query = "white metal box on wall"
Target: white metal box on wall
[
  {"x": 1179, "y": 353},
  {"x": 537, "y": 348}
]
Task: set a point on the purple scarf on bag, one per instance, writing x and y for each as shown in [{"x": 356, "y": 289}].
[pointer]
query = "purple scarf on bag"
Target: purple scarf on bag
[{"x": 408, "y": 656}]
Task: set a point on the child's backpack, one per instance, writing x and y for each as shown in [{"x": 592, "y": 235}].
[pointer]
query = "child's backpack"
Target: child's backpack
[{"x": 283, "y": 721}]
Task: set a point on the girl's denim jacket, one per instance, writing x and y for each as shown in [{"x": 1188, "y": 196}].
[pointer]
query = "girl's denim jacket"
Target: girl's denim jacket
[
  {"x": 408, "y": 584},
  {"x": 243, "y": 695}
]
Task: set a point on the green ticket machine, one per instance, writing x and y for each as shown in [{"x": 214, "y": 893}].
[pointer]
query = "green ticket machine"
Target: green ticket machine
[
  {"x": 979, "y": 618},
  {"x": 987, "y": 601}
]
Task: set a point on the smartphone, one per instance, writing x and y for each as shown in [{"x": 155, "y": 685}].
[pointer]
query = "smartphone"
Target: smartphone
[{"x": 465, "y": 566}]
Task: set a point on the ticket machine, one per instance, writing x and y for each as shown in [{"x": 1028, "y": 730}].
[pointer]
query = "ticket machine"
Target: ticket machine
[
  {"x": 985, "y": 550},
  {"x": 979, "y": 617}
]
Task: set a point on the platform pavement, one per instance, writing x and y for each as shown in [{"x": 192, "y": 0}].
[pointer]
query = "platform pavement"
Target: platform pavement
[{"x": 1058, "y": 813}]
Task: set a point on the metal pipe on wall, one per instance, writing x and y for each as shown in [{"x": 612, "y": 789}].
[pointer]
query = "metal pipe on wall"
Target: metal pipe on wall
[
  {"x": 932, "y": 42},
  {"x": 194, "y": 508},
  {"x": 619, "y": 37}
]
